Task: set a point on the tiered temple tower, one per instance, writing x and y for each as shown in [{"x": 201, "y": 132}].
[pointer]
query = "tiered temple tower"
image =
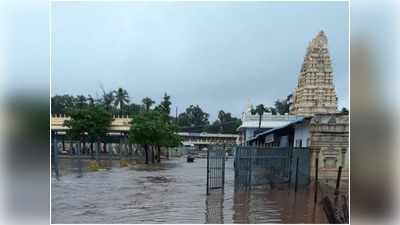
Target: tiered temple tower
[{"x": 315, "y": 92}]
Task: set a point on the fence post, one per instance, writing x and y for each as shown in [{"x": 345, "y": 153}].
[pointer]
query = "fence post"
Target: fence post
[
  {"x": 252, "y": 152},
  {"x": 316, "y": 180},
  {"x": 120, "y": 146},
  {"x": 63, "y": 143},
  {"x": 290, "y": 165},
  {"x": 223, "y": 169},
  {"x": 110, "y": 153},
  {"x": 70, "y": 148},
  {"x": 79, "y": 159},
  {"x": 297, "y": 171},
  {"x": 338, "y": 180},
  {"x": 55, "y": 156},
  {"x": 208, "y": 169}
]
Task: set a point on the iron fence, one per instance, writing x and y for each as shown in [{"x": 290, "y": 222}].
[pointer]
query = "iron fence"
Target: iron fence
[
  {"x": 215, "y": 168},
  {"x": 263, "y": 166}
]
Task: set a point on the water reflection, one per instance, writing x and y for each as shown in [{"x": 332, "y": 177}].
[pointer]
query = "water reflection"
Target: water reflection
[
  {"x": 215, "y": 207},
  {"x": 171, "y": 192},
  {"x": 241, "y": 207}
]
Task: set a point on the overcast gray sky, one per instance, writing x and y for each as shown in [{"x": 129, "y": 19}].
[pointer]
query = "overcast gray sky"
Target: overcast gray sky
[{"x": 214, "y": 54}]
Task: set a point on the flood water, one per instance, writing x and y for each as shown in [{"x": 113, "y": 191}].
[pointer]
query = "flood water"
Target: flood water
[{"x": 172, "y": 192}]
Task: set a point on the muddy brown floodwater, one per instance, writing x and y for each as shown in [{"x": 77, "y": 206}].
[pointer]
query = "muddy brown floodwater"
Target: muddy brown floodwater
[{"x": 172, "y": 192}]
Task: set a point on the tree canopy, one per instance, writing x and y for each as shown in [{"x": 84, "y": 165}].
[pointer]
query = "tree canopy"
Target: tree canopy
[
  {"x": 90, "y": 120},
  {"x": 147, "y": 102},
  {"x": 344, "y": 110},
  {"x": 259, "y": 110},
  {"x": 121, "y": 98},
  {"x": 281, "y": 106},
  {"x": 165, "y": 105},
  {"x": 225, "y": 123},
  {"x": 194, "y": 119},
  {"x": 151, "y": 128},
  {"x": 117, "y": 102}
]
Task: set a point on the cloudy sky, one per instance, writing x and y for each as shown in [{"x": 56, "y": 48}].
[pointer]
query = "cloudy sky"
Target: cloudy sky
[{"x": 214, "y": 54}]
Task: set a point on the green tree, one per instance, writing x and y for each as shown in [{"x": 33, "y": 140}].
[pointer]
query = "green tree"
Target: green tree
[
  {"x": 134, "y": 109},
  {"x": 80, "y": 101},
  {"x": 344, "y": 110},
  {"x": 147, "y": 102},
  {"x": 90, "y": 100},
  {"x": 194, "y": 119},
  {"x": 60, "y": 104},
  {"x": 259, "y": 110},
  {"x": 145, "y": 130},
  {"x": 282, "y": 106},
  {"x": 214, "y": 127},
  {"x": 92, "y": 120},
  {"x": 225, "y": 123},
  {"x": 165, "y": 105},
  {"x": 108, "y": 100},
  {"x": 121, "y": 99},
  {"x": 168, "y": 137},
  {"x": 151, "y": 129}
]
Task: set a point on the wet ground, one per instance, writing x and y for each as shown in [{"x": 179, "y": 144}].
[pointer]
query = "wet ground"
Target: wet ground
[{"x": 172, "y": 192}]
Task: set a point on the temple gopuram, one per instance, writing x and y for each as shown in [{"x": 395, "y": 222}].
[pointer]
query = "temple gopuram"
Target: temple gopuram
[
  {"x": 315, "y": 91},
  {"x": 314, "y": 121}
]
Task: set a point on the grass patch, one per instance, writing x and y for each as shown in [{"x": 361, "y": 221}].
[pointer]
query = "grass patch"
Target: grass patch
[
  {"x": 123, "y": 163},
  {"x": 94, "y": 166}
]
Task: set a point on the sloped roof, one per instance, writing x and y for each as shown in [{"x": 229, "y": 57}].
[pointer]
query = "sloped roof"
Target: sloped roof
[
  {"x": 275, "y": 129},
  {"x": 264, "y": 124}
]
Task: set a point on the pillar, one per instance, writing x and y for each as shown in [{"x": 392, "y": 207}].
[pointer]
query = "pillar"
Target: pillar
[
  {"x": 120, "y": 145},
  {"x": 314, "y": 153},
  {"x": 63, "y": 143}
]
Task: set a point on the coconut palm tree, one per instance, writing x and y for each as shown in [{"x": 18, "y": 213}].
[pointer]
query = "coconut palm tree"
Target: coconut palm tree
[
  {"x": 108, "y": 100},
  {"x": 260, "y": 109},
  {"x": 121, "y": 98},
  {"x": 80, "y": 101},
  {"x": 90, "y": 100},
  {"x": 147, "y": 102}
]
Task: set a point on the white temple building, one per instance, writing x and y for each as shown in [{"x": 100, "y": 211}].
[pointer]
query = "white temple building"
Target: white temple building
[{"x": 250, "y": 123}]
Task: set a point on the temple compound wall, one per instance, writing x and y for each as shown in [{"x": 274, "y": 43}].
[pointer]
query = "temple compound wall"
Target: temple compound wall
[{"x": 329, "y": 142}]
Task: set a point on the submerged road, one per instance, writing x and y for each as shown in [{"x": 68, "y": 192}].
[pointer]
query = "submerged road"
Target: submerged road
[{"x": 172, "y": 192}]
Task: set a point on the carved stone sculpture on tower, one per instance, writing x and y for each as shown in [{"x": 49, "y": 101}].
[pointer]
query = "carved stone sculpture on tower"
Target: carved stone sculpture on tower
[{"x": 315, "y": 91}]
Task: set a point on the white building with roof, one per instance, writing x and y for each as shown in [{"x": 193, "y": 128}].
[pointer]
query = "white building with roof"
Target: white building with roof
[{"x": 250, "y": 123}]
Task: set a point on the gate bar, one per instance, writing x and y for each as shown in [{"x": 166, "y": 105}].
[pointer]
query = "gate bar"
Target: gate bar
[
  {"x": 208, "y": 170},
  {"x": 316, "y": 180},
  {"x": 296, "y": 179},
  {"x": 55, "y": 156}
]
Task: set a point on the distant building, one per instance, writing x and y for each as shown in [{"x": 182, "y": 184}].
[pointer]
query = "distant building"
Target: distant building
[
  {"x": 120, "y": 126},
  {"x": 250, "y": 123},
  {"x": 202, "y": 140},
  {"x": 292, "y": 134}
]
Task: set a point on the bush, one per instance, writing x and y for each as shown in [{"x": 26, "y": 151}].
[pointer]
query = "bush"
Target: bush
[{"x": 94, "y": 166}]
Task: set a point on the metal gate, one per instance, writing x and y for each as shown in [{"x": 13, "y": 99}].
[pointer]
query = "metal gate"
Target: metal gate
[
  {"x": 243, "y": 166},
  {"x": 215, "y": 168},
  {"x": 263, "y": 166},
  {"x": 300, "y": 166}
]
